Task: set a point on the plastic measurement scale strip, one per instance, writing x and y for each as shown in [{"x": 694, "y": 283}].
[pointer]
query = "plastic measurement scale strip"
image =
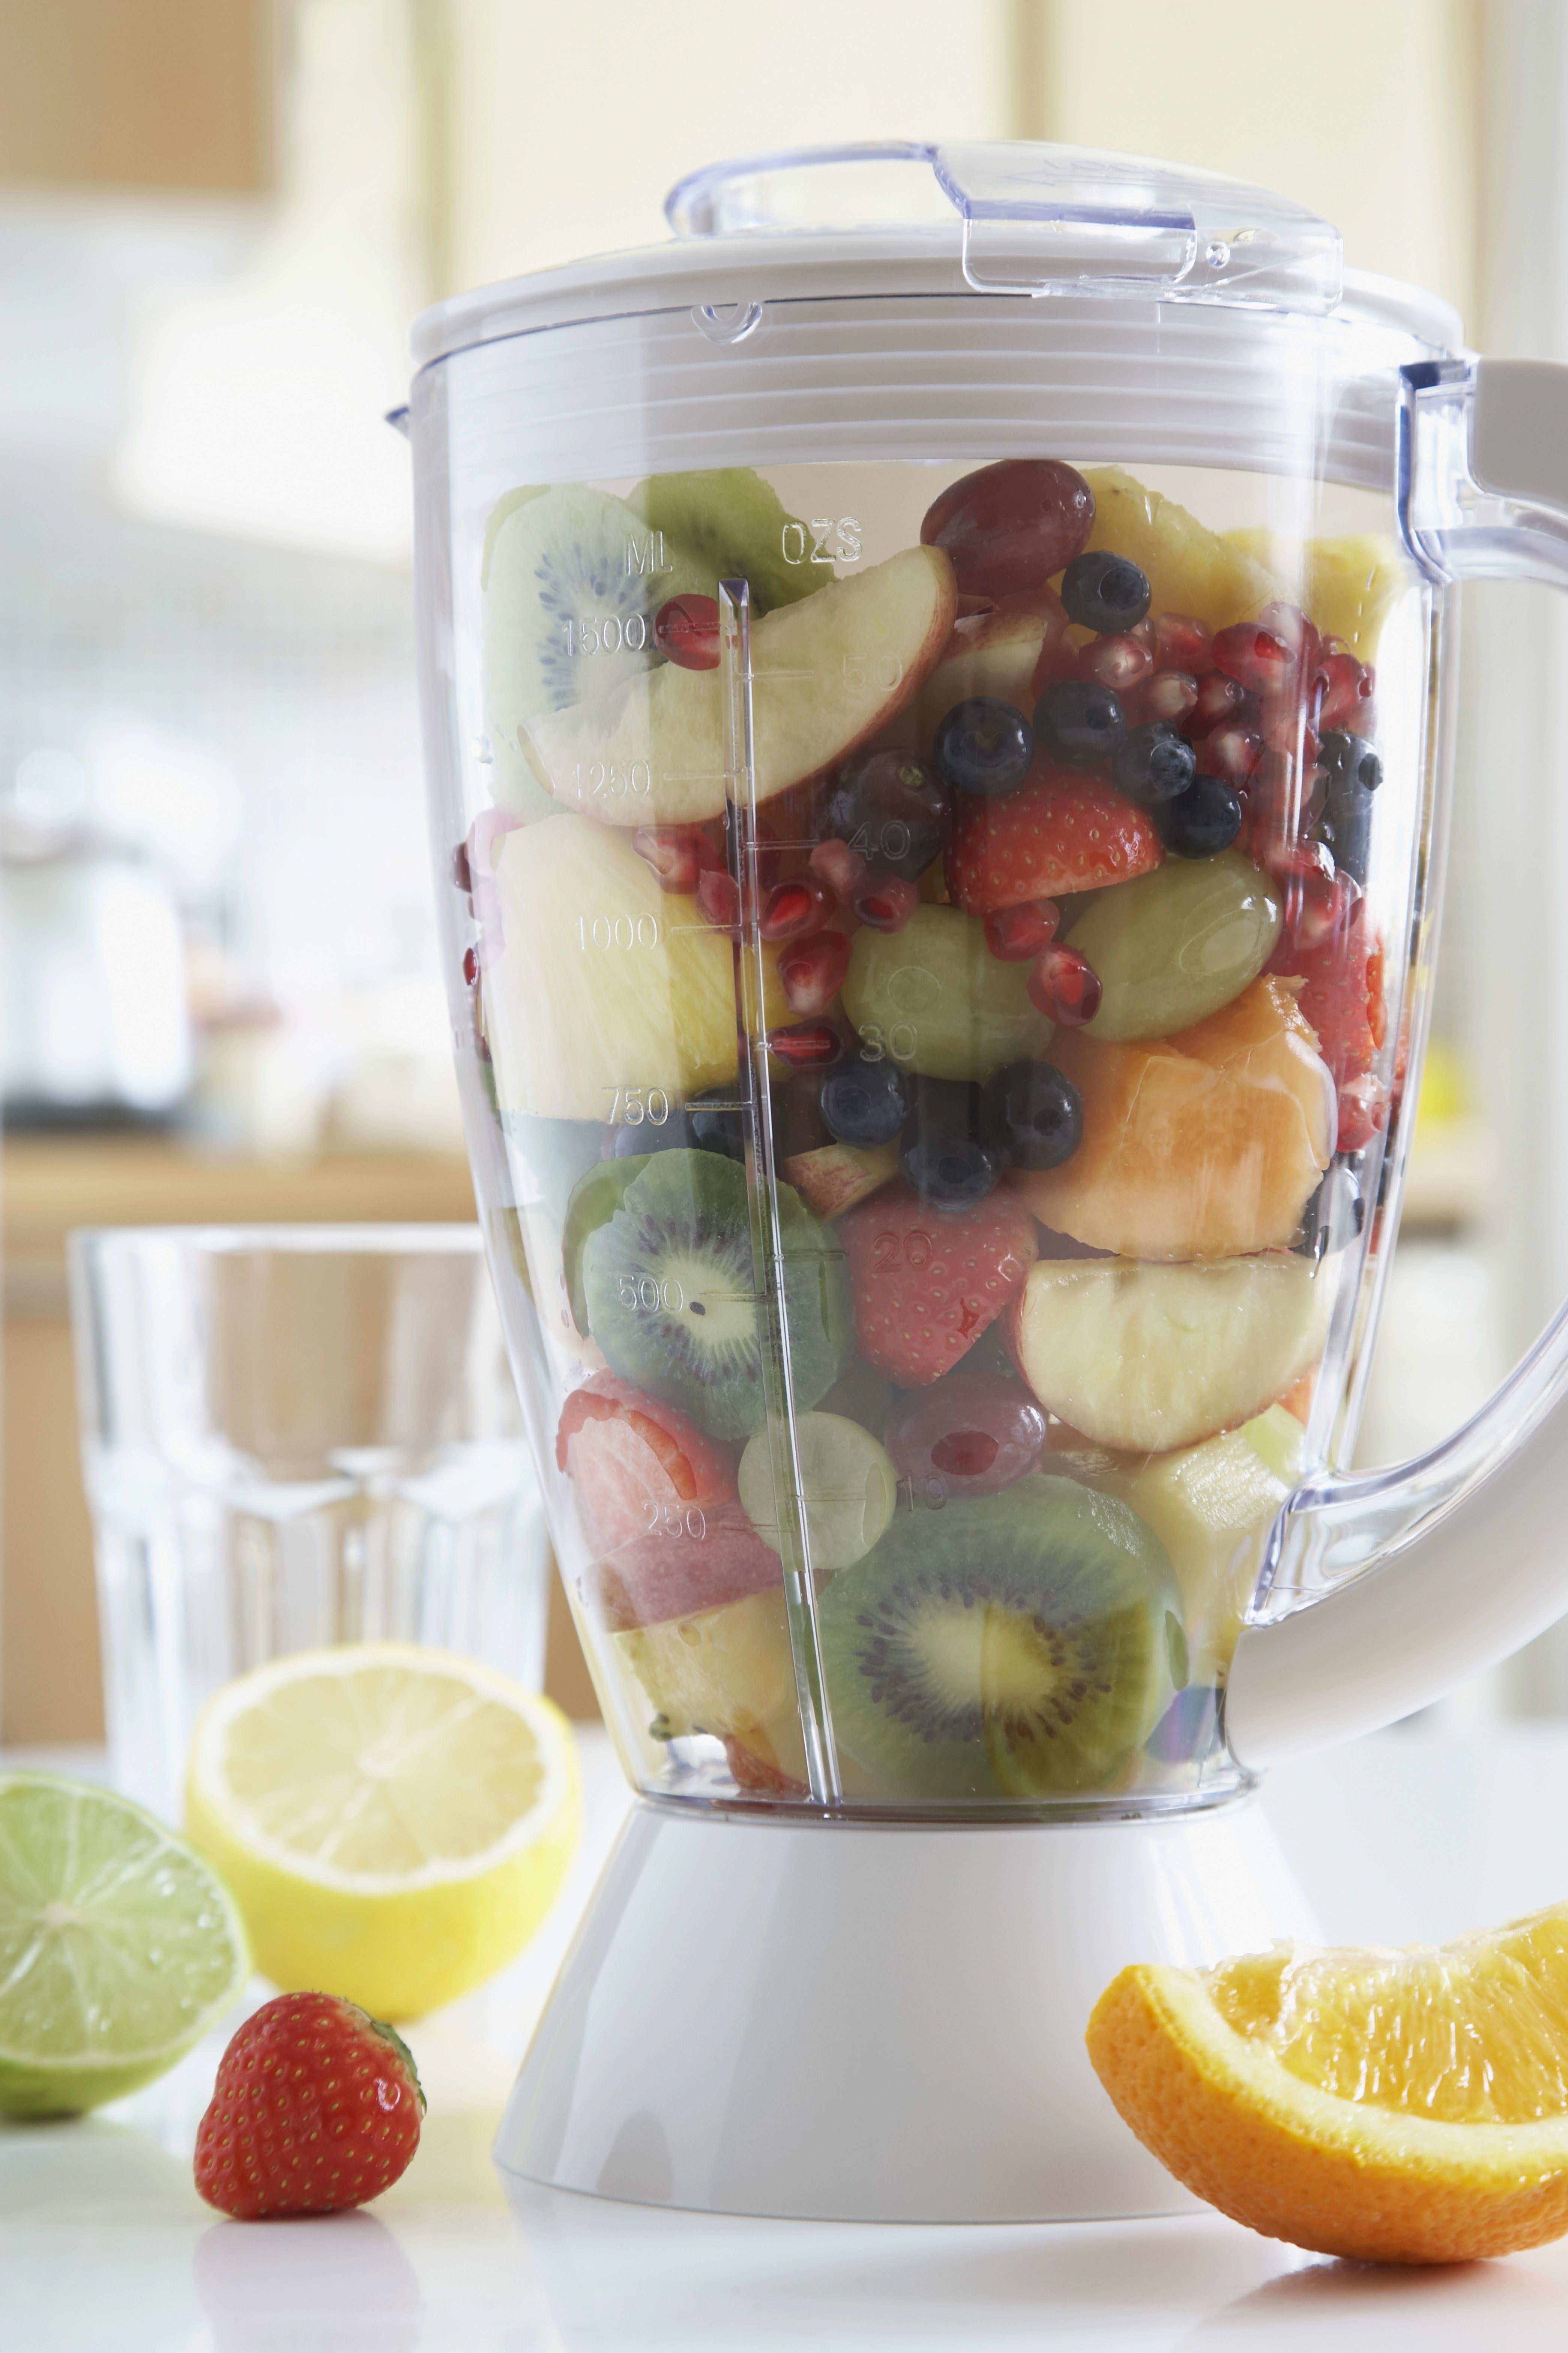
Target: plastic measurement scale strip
[{"x": 1037, "y": 219}]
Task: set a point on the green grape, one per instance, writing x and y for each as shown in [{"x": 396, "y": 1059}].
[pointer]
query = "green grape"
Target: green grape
[
  {"x": 1173, "y": 946},
  {"x": 934, "y": 998}
]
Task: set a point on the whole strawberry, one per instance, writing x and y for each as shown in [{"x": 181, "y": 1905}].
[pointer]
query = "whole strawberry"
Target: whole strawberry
[
  {"x": 926, "y": 1283},
  {"x": 317, "y": 2105}
]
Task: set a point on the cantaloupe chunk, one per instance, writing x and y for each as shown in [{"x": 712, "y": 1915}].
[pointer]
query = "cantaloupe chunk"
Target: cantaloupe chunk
[{"x": 1205, "y": 1144}]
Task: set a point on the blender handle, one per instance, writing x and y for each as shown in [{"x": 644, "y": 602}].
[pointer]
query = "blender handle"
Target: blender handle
[{"x": 1401, "y": 1582}]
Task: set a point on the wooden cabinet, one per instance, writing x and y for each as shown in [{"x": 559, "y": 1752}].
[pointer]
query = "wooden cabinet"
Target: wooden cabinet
[{"x": 49, "y": 1688}]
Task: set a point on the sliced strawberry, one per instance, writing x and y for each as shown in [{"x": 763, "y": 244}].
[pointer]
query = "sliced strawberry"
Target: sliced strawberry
[
  {"x": 926, "y": 1283},
  {"x": 1062, "y": 830},
  {"x": 658, "y": 1507},
  {"x": 754, "y": 1772},
  {"x": 1342, "y": 997}
]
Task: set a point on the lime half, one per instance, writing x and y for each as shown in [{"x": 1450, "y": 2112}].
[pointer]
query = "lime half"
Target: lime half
[{"x": 119, "y": 1947}]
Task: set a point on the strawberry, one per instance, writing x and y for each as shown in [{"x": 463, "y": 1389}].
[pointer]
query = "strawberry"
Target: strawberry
[
  {"x": 658, "y": 1505},
  {"x": 927, "y": 1282},
  {"x": 1062, "y": 830},
  {"x": 316, "y": 2106}
]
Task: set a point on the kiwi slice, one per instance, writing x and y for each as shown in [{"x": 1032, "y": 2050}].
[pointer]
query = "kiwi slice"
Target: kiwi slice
[
  {"x": 732, "y": 526},
  {"x": 574, "y": 578},
  {"x": 596, "y": 1197},
  {"x": 670, "y": 1297},
  {"x": 556, "y": 1154},
  {"x": 850, "y": 1489},
  {"x": 1020, "y": 1645}
]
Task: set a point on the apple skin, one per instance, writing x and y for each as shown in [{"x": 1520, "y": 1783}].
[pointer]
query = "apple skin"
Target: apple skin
[
  {"x": 835, "y": 1177},
  {"x": 994, "y": 653},
  {"x": 828, "y": 674}
]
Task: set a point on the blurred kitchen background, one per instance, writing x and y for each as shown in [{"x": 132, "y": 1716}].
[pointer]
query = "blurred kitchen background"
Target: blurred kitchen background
[{"x": 220, "y": 996}]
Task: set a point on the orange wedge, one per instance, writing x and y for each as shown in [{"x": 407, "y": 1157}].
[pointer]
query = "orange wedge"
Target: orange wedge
[{"x": 1405, "y": 2108}]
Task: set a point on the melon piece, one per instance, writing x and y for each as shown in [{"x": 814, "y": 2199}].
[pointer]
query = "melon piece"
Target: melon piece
[
  {"x": 1149, "y": 1358},
  {"x": 1205, "y": 1144},
  {"x": 1348, "y": 586},
  {"x": 1190, "y": 569},
  {"x": 604, "y": 984},
  {"x": 994, "y": 653},
  {"x": 827, "y": 673}
]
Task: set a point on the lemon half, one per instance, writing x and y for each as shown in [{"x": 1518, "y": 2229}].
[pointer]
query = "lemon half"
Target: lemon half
[{"x": 395, "y": 1822}]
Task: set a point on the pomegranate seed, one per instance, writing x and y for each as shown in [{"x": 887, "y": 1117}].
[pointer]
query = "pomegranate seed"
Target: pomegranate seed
[
  {"x": 843, "y": 869},
  {"x": 470, "y": 966},
  {"x": 1218, "y": 698},
  {"x": 1348, "y": 689},
  {"x": 461, "y": 875},
  {"x": 678, "y": 854},
  {"x": 1170, "y": 695},
  {"x": 811, "y": 974},
  {"x": 1116, "y": 662},
  {"x": 887, "y": 903},
  {"x": 1292, "y": 628},
  {"x": 1284, "y": 727},
  {"x": 1232, "y": 751},
  {"x": 793, "y": 908},
  {"x": 1253, "y": 656},
  {"x": 687, "y": 630},
  {"x": 1014, "y": 934},
  {"x": 809, "y": 1046},
  {"x": 1180, "y": 643},
  {"x": 719, "y": 897},
  {"x": 1364, "y": 1110},
  {"x": 1065, "y": 988}
]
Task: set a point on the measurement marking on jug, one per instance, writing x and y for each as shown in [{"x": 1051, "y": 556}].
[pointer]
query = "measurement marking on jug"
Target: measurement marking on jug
[
  {"x": 647, "y": 1293},
  {"x": 606, "y": 781},
  {"x": 646, "y": 557},
  {"x": 600, "y": 931},
  {"x": 635, "y": 1106},
  {"x": 808, "y": 544},
  {"x": 608, "y": 633},
  {"x": 669, "y": 1520}
]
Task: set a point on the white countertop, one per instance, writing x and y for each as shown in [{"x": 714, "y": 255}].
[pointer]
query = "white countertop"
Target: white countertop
[{"x": 105, "y": 2245}]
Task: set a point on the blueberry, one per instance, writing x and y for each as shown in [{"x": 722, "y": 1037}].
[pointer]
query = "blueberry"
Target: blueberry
[
  {"x": 1105, "y": 592},
  {"x": 715, "y": 1128},
  {"x": 984, "y": 746},
  {"x": 1031, "y": 1114},
  {"x": 865, "y": 1102},
  {"x": 944, "y": 1158},
  {"x": 1152, "y": 764},
  {"x": 894, "y": 807},
  {"x": 1335, "y": 1216},
  {"x": 1353, "y": 772},
  {"x": 1201, "y": 821},
  {"x": 1079, "y": 721}
]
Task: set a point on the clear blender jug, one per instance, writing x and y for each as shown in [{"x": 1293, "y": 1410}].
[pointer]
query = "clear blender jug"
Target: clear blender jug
[{"x": 937, "y": 697}]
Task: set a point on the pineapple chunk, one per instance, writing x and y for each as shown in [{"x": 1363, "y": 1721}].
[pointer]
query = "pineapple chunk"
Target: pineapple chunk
[
  {"x": 1190, "y": 569},
  {"x": 1349, "y": 586}
]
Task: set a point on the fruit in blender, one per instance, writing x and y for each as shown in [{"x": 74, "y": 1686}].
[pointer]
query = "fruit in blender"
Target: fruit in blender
[
  {"x": 926, "y": 1283},
  {"x": 1010, "y": 527},
  {"x": 967, "y": 1434},
  {"x": 993, "y": 656},
  {"x": 1016, "y": 934},
  {"x": 946, "y": 1155},
  {"x": 866, "y": 1101},
  {"x": 1402, "y": 2107},
  {"x": 658, "y": 1507},
  {"x": 652, "y": 750},
  {"x": 669, "y": 1284},
  {"x": 935, "y": 1001},
  {"x": 1201, "y": 821},
  {"x": 641, "y": 991},
  {"x": 835, "y": 1177},
  {"x": 317, "y": 2107},
  {"x": 732, "y": 525},
  {"x": 1022, "y": 1644},
  {"x": 119, "y": 1947},
  {"x": 1355, "y": 773},
  {"x": 848, "y": 1489},
  {"x": 1061, "y": 831},
  {"x": 1031, "y": 1114},
  {"x": 1207, "y": 1144},
  {"x": 1064, "y": 987},
  {"x": 892, "y": 808},
  {"x": 686, "y": 631},
  {"x": 1152, "y": 764},
  {"x": 1190, "y": 570},
  {"x": 1147, "y": 1358},
  {"x": 1078, "y": 722},
  {"x": 1349, "y": 584},
  {"x": 1103, "y": 591},
  {"x": 1177, "y": 945},
  {"x": 723, "y": 1671},
  {"x": 395, "y": 1821}
]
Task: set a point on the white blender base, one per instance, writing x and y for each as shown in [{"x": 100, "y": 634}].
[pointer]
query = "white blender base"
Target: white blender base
[{"x": 855, "y": 2021}]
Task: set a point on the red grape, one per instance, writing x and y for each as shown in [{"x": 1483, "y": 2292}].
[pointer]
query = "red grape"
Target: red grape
[
  {"x": 967, "y": 1434},
  {"x": 1011, "y": 525}
]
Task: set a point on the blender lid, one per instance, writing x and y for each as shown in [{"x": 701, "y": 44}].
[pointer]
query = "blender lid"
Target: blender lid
[{"x": 908, "y": 217}]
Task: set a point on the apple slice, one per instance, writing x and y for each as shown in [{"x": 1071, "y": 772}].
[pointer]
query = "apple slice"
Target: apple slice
[
  {"x": 1146, "y": 1358},
  {"x": 606, "y": 986},
  {"x": 834, "y": 1176},
  {"x": 994, "y": 653},
  {"x": 827, "y": 673}
]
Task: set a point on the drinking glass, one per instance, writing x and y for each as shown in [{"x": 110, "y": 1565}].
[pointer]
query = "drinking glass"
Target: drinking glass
[{"x": 292, "y": 1437}]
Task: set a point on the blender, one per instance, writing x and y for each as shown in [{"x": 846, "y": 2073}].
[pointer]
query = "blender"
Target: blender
[{"x": 939, "y": 692}]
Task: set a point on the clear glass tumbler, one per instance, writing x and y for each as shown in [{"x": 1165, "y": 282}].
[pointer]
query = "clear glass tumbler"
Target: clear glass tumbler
[{"x": 292, "y": 1437}]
